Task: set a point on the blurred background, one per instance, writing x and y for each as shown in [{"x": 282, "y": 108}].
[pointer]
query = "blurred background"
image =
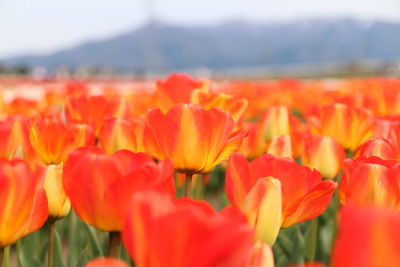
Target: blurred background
[{"x": 224, "y": 38}]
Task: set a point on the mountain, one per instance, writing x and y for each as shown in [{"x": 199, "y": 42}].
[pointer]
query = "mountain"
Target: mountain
[{"x": 161, "y": 47}]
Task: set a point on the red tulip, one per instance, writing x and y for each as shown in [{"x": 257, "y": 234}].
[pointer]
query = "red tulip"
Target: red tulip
[{"x": 100, "y": 186}]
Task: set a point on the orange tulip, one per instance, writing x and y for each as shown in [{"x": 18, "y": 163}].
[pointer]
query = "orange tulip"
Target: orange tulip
[
  {"x": 194, "y": 138},
  {"x": 53, "y": 139},
  {"x": 378, "y": 147},
  {"x": 184, "y": 233},
  {"x": 349, "y": 126},
  {"x": 369, "y": 181},
  {"x": 8, "y": 142},
  {"x": 23, "y": 202},
  {"x": 262, "y": 256},
  {"x": 94, "y": 110},
  {"x": 176, "y": 88},
  {"x": 100, "y": 186},
  {"x": 304, "y": 194},
  {"x": 234, "y": 105},
  {"x": 280, "y": 146},
  {"x": 276, "y": 122},
  {"x": 106, "y": 262},
  {"x": 118, "y": 133},
  {"x": 253, "y": 144},
  {"x": 368, "y": 237},
  {"x": 323, "y": 154}
]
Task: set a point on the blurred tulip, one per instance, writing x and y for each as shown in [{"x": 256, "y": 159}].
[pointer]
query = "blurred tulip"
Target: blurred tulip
[
  {"x": 234, "y": 105},
  {"x": 100, "y": 186},
  {"x": 253, "y": 144},
  {"x": 368, "y": 181},
  {"x": 280, "y": 146},
  {"x": 378, "y": 147},
  {"x": 53, "y": 140},
  {"x": 194, "y": 138},
  {"x": 176, "y": 88},
  {"x": 349, "y": 126},
  {"x": 106, "y": 262},
  {"x": 262, "y": 256},
  {"x": 184, "y": 233},
  {"x": 118, "y": 134},
  {"x": 23, "y": 202},
  {"x": 323, "y": 154},
  {"x": 304, "y": 194},
  {"x": 368, "y": 237},
  {"x": 94, "y": 110},
  {"x": 8, "y": 142},
  {"x": 276, "y": 122},
  {"x": 308, "y": 264}
]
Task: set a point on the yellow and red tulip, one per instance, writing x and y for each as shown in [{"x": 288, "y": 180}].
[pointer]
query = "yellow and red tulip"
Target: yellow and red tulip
[
  {"x": 370, "y": 181},
  {"x": 100, "y": 185},
  {"x": 324, "y": 154},
  {"x": 304, "y": 194},
  {"x": 379, "y": 147},
  {"x": 118, "y": 133},
  {"x": 195, "y": 139},
  {"x": 23, "y": 202},
  {"x": 184, "y": 233}
]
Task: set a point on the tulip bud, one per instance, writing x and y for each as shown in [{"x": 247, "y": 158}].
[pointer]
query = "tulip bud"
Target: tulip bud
[
  {"x": 276, "y": 122},
  {"x": 281, "y": 147},
  {"x": 59, "y": 204}
]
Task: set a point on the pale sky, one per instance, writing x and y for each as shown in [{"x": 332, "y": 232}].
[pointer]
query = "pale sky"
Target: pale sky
[{"x": 44, "y": 26}]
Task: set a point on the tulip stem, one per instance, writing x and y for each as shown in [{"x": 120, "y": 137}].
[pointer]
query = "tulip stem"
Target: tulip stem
[
  {"x": 114, "y": 245},
  {"x": 188, "y": 184},
  {"x": 313, "y": 239},
  {"x": 50, "y": 245},
  {"x": 1, "y": 256}
]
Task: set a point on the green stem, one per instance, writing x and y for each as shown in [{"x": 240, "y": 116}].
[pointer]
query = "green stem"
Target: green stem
[
  {"x": 188, "y": 184},
  {"x": 114, "y": 245},
  {"x": 199, "y": 190},
  {"x": 50, "y": 245},
  {"x": 313, "y": 239},
  {"x": 6, "y": 256}
]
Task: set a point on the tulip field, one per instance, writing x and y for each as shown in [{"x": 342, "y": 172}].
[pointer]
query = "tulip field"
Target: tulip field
[{"x": 190, "y": 172}]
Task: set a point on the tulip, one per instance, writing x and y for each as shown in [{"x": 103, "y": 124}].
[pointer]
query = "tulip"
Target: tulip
[
  {"x": 8, "y": 143},
  {"x": 94, "y": 110},
  {"x": 368, "y": 181},
  {"x": 368, "y": 237},
  {"x": 118, "y": 134},
  {"x": 23, "y": 202},
  {"x": 304, "y": 194},
  {"x": 349, "y": 126},
  {"x": 253, "y": 144},
  {"x": 280, "y": 146},
  {"x": 53, "y": 140},
  {"x": 184, "y": 233},
  {"x": 276, "y": 122},
  {"x": 323, "y": 154},
  {"x": 194, "y": 138},
  {"x": 262, "y": 256},
  {"x": 176, "y": 88},
  {"x": 378, "y": 147},
  {"x": 235, "y": 106},
  {"x": 100, "y": 186},
  {"x": 106, "y": 262}
]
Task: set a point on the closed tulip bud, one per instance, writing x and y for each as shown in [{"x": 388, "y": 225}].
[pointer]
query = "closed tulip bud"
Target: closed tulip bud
[
  {"x": 263, "y": 207},
  {"x": 59, "y": 204},
  {"x": 23, "y": 202},
  {"x": 280, "y": 146},
  {"x": 118, "y": 134},
  {"x": 195, "y": 139},
  {"x": 276, "y": 122},
  {"x": 324, "y": 154}
]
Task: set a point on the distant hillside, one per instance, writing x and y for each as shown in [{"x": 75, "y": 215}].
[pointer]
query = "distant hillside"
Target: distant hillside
[{"x": 235, "y": 44}]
